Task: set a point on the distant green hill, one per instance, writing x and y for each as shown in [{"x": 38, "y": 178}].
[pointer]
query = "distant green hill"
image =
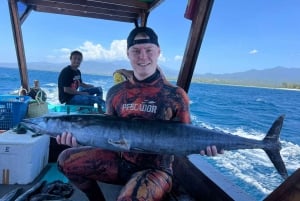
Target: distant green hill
[{"x": 273, "y": 77}]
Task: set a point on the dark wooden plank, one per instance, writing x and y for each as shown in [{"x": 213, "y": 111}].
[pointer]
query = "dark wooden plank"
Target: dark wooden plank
[
  {"x": 118, "y": 10},
  {"x": 289, "y": 190},
  {"x": 205, "y": 184}
]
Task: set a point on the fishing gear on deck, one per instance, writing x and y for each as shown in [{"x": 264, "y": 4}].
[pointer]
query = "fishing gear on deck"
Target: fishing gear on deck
[
  {"x": 19, "y": 129},
  {"x": 56, "y": 190},
  {"x": 37, "y": 93},
  {"x": 12, "y": 195},
  {"x": 38, "y": 106}
]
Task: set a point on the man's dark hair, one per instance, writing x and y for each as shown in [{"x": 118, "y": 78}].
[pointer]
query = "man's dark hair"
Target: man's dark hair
[{"x": 76, "y": 52}]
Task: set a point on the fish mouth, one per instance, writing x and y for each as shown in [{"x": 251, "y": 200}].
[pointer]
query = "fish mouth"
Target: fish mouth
[{"x": 29, "y": 125}]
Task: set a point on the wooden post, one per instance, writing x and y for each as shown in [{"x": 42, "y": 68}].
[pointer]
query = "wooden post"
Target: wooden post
[
  {"x": 201, "y": 11},
  {"x": 18, "y": 39}
]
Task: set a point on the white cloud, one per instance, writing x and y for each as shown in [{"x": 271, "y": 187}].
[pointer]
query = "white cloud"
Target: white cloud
[
  {"x": 162, "y": 58},
  {"x": 178, "y": 58},
  {"x": 117, "y": 51},
  {"x": 60, "y": 55},
  {"x": 65, "y": 50},
  {"x": 253, "y": 51},
  {"x": 91, "y": 51}
]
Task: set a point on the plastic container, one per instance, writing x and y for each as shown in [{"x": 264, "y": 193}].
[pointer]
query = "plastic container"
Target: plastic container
[
  {"x": 12, "y": 110},
  {"x": 22, "y": 157},
  {"x": 72, "y": 109}
]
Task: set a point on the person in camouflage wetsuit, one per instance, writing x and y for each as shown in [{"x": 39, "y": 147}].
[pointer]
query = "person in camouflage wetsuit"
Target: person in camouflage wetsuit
[{"x": 148, "y": 95}]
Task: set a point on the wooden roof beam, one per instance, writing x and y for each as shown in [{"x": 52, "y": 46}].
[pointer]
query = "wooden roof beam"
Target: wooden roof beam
[
  {"x": 120, "y": 10},
  {"x": 94, "y": 3},
  {"x": 26, "y": 13},
  {"x": 86, "y": 6},
  {"x": 105, "y": 16}
]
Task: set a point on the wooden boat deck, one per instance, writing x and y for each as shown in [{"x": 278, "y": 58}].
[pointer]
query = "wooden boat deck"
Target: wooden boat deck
[{"x": 110, "y": 191}]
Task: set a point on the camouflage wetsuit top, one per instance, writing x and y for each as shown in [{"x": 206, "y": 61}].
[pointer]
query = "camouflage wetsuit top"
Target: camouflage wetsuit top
[
  {"x": 153, "y": 98},
  {"x": 147, "y": 176}
]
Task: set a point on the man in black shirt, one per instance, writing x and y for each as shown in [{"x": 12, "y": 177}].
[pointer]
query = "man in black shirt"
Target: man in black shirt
[{"x": 70, "y": 80}]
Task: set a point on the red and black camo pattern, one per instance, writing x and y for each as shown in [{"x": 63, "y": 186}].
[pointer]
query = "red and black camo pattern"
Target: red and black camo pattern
[
  {"x": 153, "y": 98},
  {"x": 87, "y": 163},
  {"x": 147, "y": 185}
]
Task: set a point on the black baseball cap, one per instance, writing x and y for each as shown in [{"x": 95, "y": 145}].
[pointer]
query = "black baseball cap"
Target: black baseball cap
[{"x": 148, "y": 31}]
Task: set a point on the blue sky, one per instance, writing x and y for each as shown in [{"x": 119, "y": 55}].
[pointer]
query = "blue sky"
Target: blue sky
[{"x": 241, "y": 35}]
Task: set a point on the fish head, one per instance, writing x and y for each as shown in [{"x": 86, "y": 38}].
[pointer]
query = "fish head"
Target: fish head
[
  {"x": 36, "y": 125},
  {"x": 54, "y": 125}
]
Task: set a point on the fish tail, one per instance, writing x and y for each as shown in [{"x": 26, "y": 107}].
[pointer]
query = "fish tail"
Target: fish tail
[{"x": 273, "y": 146}]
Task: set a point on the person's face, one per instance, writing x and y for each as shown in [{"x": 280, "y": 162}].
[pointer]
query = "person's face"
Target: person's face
[
  {"x": 76, "y": 60},
  {"x": 143, "y": 58}
]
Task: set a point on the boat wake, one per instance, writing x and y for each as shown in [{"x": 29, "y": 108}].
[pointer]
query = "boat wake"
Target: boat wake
[{"x": 252, "y": 170}]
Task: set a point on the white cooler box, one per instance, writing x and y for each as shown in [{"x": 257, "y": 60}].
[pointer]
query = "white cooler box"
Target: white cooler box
[{"x": 22, "y": 157}]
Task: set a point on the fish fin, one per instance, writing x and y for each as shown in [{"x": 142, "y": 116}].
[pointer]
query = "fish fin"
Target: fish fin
[
  {"x": 274, "y": 132},
  {"x": 273, "y": 146},
  {"x": 276, "y": 159}
]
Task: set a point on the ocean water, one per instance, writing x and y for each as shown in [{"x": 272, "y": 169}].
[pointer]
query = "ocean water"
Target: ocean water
[{"x": 245, "y": 111}]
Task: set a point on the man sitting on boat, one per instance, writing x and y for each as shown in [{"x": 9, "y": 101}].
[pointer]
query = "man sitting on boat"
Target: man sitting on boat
[
  {"x": 70, "y": 81},
  {"x": 148, "y": 96}
]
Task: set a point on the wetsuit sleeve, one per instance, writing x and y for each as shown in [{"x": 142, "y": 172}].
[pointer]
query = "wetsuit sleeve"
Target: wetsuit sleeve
[
  {"x": 183, "y": 108},
  {"x": 109, "y": 99}
]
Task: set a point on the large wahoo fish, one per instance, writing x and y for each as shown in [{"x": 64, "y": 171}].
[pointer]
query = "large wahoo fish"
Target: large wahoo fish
[{"x": 151, "y": 136}]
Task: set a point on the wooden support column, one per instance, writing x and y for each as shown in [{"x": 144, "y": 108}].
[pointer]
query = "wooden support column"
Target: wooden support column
[
  {"x": 199, "y": 16},
  {"x": 18, "y": 39}
]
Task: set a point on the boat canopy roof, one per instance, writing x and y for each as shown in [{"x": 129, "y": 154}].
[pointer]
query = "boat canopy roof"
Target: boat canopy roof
[
  {"x": 130, "y": 11},
  {"x": 133, "y": 11}
]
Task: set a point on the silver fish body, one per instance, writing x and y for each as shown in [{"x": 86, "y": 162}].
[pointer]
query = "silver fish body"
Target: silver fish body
[{"x": 152, "y": 136}]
